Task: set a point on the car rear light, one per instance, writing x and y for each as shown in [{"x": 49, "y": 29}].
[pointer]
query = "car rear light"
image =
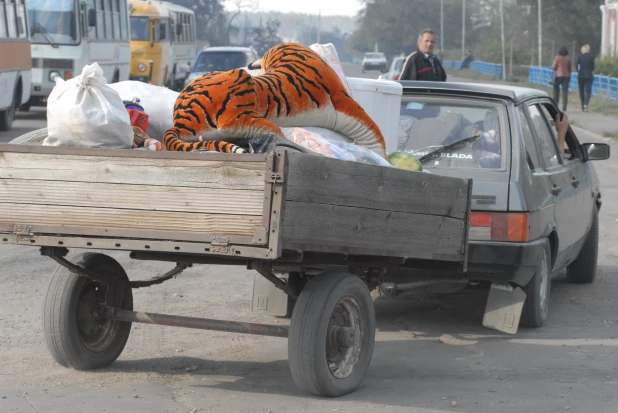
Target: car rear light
[
  {"x": 499, "y": 226},
  {"x": 396, "y": 77}
]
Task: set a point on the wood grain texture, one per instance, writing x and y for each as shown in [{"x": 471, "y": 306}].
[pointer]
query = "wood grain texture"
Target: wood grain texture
[
  {"x": 322, "y": 180},
  {"x": 135, "y": 171},
  {"x": 343, "y": 229},
  {"x": 132, "y": 197},
  {"x": 109, "y": 218}
]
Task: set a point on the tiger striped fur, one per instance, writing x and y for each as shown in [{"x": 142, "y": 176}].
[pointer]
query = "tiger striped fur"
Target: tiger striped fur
[{"x": 298, "y": 88}]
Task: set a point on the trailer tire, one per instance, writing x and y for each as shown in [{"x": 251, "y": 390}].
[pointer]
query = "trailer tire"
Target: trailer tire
[
  {"x": 317, "y": 364},
  {"x": 75, "y": 337}
]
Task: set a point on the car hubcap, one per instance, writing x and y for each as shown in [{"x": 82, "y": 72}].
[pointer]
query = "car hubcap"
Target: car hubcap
[{"x": 345, "y": 342}]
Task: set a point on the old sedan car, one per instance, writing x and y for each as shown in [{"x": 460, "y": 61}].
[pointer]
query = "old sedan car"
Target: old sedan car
[
  {"x": 220, "y": 58},
  {"x": 394, "y": 70},
  {"x": 374, "y": 61},
  {"x": 534, "y": 210}
]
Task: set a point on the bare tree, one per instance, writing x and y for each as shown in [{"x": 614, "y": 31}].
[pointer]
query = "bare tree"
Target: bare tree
[{"x": 240, "y": 5}]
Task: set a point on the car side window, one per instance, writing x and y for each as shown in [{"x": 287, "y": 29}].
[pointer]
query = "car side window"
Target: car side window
[
  {"x": 532, "y": 155},
  {"x": 545, "y": 137}
]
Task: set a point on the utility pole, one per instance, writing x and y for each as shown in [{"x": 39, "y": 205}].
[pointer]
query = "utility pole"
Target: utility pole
[
  {"x": 502, "y": 39},
  {"x": 540, "y": 34},
  {"x": 441, "y": 29},
  {"x": 319, "y": 24},
  {"x": 463, "y": 30}
]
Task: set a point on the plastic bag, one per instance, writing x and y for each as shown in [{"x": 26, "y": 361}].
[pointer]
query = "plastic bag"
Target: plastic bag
[
  {"x": 85, "y": 111},
  {"x": 333, "y": 145},
  {"x": 328, "y": 52},
  {"x": 158, "y": 103}
]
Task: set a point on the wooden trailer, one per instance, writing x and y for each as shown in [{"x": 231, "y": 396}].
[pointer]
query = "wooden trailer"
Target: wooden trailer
[{"x": 333, "y": 227}]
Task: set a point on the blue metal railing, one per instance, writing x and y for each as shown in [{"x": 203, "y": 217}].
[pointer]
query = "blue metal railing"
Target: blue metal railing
[
  {"x": 490, "y": 69},
  {"x": 601, "y": 85}
]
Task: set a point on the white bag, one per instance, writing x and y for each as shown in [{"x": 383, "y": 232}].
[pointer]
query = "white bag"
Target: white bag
[
  {"x": 158, "y": 103},
  {"x": 328, "y": 52},
  {"x": 85, "y": 111}
]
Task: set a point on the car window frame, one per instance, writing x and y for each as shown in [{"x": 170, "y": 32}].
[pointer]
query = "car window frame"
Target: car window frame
[
  {"x": 537, "y": 139},
  {"x": 506, "y": 146},
  {"x": 523, "y": 113}
]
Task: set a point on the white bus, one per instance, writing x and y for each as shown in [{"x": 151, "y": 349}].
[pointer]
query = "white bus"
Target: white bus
[
  {"x": 15, "y": 61},
  {"x": 69, "y": 34}
]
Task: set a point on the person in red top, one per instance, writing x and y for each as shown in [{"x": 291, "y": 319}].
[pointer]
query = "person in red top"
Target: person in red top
[{"x": 562, "y": 66}]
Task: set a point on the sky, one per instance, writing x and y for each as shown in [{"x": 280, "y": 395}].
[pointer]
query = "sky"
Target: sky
[{"x": 326, "y": 7}]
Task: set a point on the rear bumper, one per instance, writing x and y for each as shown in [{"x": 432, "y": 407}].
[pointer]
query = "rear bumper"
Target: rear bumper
[{"x": 503, "y": 261}]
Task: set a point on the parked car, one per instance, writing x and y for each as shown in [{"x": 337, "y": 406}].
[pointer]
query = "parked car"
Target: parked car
[
  {"x": 394, "y": 70},
  {"x": 374, "y": 61},
  {"x": 534, "y": 211},
  {"x": 212, "y": 59}
]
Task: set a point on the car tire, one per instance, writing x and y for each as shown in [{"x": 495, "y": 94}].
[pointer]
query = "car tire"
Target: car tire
[
  {"x": 536, "y": 306},
  {"x": 584, "y": 269},
  {"x": 7, "y": 116}
]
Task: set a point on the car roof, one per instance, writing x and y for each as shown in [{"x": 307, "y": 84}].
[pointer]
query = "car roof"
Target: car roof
[
  {"x": 515, "y": 93},
  {"x": 227, "y": 49}
]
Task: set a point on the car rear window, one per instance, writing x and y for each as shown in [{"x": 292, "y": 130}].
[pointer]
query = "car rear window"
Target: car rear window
[
  {"x": 220, "y": 60},
  {"x": 427, "y": 126}
]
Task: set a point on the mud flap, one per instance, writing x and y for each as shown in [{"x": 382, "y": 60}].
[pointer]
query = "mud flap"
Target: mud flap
[
  {"x": 268, "y": 299},
  {"x": 503, "y": 309}
]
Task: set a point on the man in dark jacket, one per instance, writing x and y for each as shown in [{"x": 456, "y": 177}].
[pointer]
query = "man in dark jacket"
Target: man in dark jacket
[
  {"x": 423, "y": 64},
  {"x": 585, "y": 76}
]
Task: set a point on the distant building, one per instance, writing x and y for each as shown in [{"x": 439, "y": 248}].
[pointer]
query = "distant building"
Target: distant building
[{"x": 609, "y": 37}]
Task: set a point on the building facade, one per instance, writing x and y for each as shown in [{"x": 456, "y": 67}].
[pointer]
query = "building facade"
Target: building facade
[{"x": 609, "y": 39}]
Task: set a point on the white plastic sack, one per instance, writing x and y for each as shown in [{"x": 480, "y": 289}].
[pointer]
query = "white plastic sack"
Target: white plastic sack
[
  {"x": 158, "y": 103},
  {"x": 328, "y": 52},
  {"x": 85, "y": 111}
]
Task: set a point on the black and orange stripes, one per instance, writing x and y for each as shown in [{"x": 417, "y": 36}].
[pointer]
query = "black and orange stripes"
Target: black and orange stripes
[{"x": 296, "y": 82}]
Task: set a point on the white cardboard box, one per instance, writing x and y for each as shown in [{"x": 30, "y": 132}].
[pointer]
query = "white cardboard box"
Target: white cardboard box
[{"x": 381, "y": 99}]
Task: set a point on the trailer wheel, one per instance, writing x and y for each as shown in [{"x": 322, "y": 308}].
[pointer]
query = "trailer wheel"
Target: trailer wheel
[
  {"x": 332, "y": 333},
  {"x": 76, "y": 336}
]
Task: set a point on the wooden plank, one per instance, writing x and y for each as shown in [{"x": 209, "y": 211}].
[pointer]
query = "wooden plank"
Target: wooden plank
[
  {"x": 236, "y": 251},
  {"x": 334, "y": 228},
  {"x": 131, "y": 153},
  {"x": 109, "y": 218},
  {"x": 322, "y": 180},
  {"x": 136, "y": 197},
  {"x": 135, "y": 171}
]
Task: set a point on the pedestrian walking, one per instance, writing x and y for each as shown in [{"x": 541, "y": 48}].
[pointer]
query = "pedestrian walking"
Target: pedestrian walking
[
  {"x": 423, "y": 64},
  {"x": 562, "y": 66},
  {"x": 585, "y": 76}
]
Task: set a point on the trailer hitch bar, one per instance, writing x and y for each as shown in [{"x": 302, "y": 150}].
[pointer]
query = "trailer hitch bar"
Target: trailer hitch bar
[{"x": 119, "y": 314}]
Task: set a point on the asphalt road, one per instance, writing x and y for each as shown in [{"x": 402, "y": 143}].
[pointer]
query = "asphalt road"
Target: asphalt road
[{"x": 431, "y": 355}]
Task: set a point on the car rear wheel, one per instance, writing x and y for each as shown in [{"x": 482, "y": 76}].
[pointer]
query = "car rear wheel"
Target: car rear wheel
[
  {"x": 536, "y": 306},
  {"x": 584, "y": 269}
]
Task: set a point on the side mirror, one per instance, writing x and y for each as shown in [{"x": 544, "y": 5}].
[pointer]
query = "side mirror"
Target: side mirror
[
  {"x": 596, "y": 151},
  {"x": 92, "y": 17},
  {"x": 161, "y": 31}
]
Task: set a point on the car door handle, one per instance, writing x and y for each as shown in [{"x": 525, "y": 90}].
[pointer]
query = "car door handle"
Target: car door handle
[
  {"x": 556, "y": 190},
  {"x": 575, "y": 182}
]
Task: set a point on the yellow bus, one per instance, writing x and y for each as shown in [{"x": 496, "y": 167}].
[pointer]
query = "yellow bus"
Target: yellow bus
[
  {"x": 15, "y": 60},
  {"x": 163, "y": 43}
]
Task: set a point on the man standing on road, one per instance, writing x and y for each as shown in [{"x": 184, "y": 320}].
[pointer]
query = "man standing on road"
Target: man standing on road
[{"x": 423, "y": 64}]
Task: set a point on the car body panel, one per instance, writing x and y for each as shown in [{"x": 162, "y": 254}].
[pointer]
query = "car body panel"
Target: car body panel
[{"x": 562, "y": 215}]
